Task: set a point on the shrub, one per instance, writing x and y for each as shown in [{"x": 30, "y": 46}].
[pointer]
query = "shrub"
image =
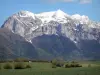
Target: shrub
[
  {"x": 28, "y": 66},
  {"x": 75, "y": 64},
  {"x": 89, "y": 65},
  {"x": 54, "y": 66},
  {"x": 19, "y": 65},
  {"x": 8, "y": 66},
  {"x": 54, "y": 62},
  {"x": 72, "y": 64},
  {"x": 78, "y": 65},
  {"x": 67, "y": 65},
  {"x": 0, "y": 67},
  {"x": 57, "y": 63}
]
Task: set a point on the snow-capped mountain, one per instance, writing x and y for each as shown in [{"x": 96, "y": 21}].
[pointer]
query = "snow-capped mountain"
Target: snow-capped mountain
[
  {"x": 75, "y": 28},
  {"x": 26, "y": 24},
  {"x": 58, "y": 16}
]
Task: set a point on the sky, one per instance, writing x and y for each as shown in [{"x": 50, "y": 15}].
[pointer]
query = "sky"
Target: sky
[{"x": 90, "y": 8}]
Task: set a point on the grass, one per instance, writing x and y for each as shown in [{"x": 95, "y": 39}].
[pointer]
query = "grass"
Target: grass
[{"x": 40, "y": 68}]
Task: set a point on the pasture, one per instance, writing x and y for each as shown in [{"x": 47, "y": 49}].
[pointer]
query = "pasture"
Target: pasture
[{"x": 43, "y": 68}]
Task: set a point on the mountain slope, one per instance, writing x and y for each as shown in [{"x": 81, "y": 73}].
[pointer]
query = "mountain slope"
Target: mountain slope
[
  {"x": 55, "y": 46},
  {"x": 14, "y": 46},
  {"x": 71, "y": 36}
]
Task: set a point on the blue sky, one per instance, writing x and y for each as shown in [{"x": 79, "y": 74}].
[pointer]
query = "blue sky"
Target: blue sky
[{"x": 91, "y": 8}]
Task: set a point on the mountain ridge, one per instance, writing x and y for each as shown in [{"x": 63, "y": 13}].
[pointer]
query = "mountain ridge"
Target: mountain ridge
[
  {"x": 58, "y": 30},
  {"x": 43, "y": 21}
]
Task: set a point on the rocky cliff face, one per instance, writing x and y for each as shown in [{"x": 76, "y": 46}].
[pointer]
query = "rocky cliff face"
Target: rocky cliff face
[{"x": 83, "y": 34}]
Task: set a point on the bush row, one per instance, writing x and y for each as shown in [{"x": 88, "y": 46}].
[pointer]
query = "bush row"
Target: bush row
[
  {"x": 56, "y": 63},
  {"x": 72, "y": 65},
  {"x": 20, "y": 65},
  {"x": 17, "y": 65}
]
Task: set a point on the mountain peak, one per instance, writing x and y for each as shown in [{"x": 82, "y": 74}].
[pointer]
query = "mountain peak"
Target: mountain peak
[
  {"x": 26, "y": 14},
  {"x": 60, "y": 11},
  {"x": 60, "y": 14},
  {"x": 65, "y": 36}
]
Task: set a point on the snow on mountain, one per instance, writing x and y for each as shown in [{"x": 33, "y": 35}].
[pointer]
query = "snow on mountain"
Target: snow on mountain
[
  {"x": 45, "y": 17},
  {"x": 26, "y": 14},
  {"x": 61, "y": 17},
  {"x": 58, "y": 16},
  {"x": 83, "y": 19},
  {"x": 57, "y": 31},
  {"x": 30, "y": 25}
]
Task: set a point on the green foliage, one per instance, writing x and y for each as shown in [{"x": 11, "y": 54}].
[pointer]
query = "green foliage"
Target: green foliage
[
  {"x": 89, "y": 65},
  {"x": 67, "y": 65},
  {"x": 75, "y": 64},
  {"x": 56, "y": 63},
  {"x": 72, "y": 64},
  {"x": 19, "y": 65},
  {"x": 0, "y": 67},
  {"x": 22, "y": 65},
  {"x": 28, "y": 66},
  {"x": 7, "y": 66},
  {"x": 60, "y": 64},
  {"x": 54, "y": 66}
]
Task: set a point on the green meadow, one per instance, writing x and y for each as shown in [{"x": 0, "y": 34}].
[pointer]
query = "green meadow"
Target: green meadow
[{"x": 44, "y": 68}]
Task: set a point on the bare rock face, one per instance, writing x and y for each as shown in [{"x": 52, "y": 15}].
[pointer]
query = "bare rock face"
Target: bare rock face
[{"x": 78, "y": 29}]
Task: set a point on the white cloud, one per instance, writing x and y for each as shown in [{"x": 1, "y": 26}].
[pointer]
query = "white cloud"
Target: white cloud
[
  {"x": 69, "y": 1},
  {"x": 55, "y": 1},
  {"x": 85, "y": 1}
]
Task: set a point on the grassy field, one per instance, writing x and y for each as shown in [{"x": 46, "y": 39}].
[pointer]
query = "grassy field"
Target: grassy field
[{"x": 39, "y": 68}]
